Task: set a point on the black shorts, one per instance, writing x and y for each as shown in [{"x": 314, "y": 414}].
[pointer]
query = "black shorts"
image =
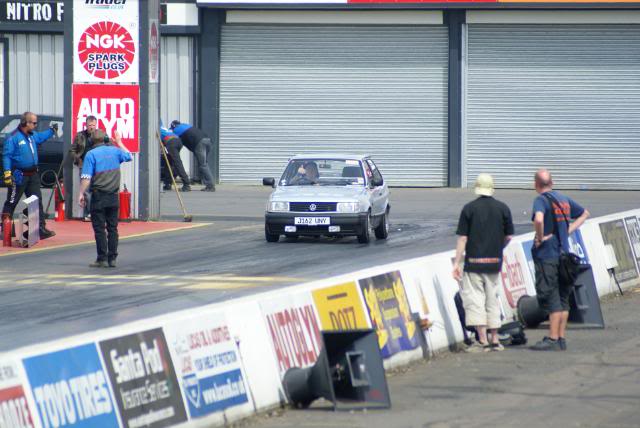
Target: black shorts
[{"x": 552, "y": 293}]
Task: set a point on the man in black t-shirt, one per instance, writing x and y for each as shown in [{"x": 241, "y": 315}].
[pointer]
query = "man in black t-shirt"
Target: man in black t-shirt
[{"x": 484, "y": 229}]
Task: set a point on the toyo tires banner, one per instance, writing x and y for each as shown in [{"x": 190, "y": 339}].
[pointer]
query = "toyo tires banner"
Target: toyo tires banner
[{"x": 105, "y": 41}]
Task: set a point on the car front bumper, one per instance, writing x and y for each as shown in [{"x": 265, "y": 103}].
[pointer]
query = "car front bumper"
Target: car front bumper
[{"x": 350, "y": 224}]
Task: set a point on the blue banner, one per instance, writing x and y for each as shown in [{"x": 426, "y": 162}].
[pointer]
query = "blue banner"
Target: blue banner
[
  {"x": 70, "y": 388},
  {"x": 214, "y": 393}
]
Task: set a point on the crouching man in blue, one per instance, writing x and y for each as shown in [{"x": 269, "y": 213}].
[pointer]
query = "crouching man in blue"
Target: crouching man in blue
[
  {"x": 199, "y": 143},
  {"x": 101, "y": 171},
  {"x": 551, "y": 210},
  {"x": 20, "y": 166}
]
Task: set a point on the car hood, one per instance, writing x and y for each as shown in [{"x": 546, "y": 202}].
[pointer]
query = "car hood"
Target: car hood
[{"x": 318, "y": 193}]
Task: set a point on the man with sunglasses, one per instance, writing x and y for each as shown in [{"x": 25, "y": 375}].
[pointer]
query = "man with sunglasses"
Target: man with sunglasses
[{"x": 20, "y": 166}]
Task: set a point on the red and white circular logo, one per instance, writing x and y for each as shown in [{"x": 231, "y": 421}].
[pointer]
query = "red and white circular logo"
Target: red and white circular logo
[{"x": 106, "y": 50}]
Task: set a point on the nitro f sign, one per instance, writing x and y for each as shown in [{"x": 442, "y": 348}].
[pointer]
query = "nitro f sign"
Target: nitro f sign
[
  {"x": 115, "y": 106},
  {"x": 105, "y": 41}
]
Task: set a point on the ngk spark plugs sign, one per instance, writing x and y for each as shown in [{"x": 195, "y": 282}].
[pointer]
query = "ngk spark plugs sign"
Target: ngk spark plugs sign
[
  {"x": 294, "y": 330},
  {"x": 14, "y": 410},
  {"x": 208, "y": 365},
  {"x": 70, "y": 388},
  {"x": 115, "y": 106},
  {"x": 143, "y": 380},
  {"x": 105, "y": 39}
]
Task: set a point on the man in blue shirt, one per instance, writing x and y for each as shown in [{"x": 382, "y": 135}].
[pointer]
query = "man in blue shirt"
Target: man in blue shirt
[
  {"x": 173, "y": 144},
  {"x": 20, "y": 166},
  {"x": 200, "y": 144},
  {"x": 101, "y": 171},
  {"x": 551, "y": 238}
]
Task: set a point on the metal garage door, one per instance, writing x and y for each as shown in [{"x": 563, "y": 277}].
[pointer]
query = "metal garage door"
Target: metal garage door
[
  {"x": 35, "y": 76},
  {"x": 565, "y": 97},
  {"x": 177, "y": 84},
  {"x": 327, "y": 88}
]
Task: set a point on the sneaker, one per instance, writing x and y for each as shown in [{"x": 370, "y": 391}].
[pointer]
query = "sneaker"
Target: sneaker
[
  {"x": 87, "y": 218},
  {"x": 563, "y": 343},
  {"x": 496, "y": 347},
  {"x": 546, "y": 344},
  {"x": 112, "y": 263},
  {"x": 166, "y": 187},
  {"x": 208, "y": 189},
  {"x": 477, "y": 347},
  {"x": 185, "y": 189},
  {"x": 46, "y": 233},
  {"x": 98, "y": 264}
]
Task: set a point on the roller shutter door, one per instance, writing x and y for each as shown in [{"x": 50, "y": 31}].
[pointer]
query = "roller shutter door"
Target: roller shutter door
[
  {"x": 565, "y": 97},
  {"x": 35, "y": 73},
  {"x": 177, "y": 87},
  {"x": 292, "y": 88}
]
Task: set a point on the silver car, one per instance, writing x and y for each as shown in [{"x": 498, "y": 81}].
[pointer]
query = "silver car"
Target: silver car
[{"x": 332, "y": 195}]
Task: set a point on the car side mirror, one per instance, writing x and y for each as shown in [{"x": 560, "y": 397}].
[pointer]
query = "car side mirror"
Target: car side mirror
[
  {"x": 269, "y": 181},
  {"x": 377, "y": 182}
]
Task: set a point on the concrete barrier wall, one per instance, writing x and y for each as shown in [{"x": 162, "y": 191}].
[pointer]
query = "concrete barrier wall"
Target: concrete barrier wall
[{"x": 221, "y": 362}]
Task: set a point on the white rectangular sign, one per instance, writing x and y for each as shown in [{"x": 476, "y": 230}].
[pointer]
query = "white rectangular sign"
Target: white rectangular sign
[{"x": 105, "y": 41}]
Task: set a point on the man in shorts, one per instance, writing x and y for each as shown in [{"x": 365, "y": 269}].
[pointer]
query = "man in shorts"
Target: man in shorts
[
  {"x": 550, "y": 208},
  {"x": 484, "y": 229}
]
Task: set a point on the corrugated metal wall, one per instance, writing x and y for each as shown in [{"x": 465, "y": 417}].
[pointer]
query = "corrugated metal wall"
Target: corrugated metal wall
[
  {"x": 177, "y": 84},
  {"x": 288, "y": 89},
  {"x": 565, "y": 97},
  {"x": 35, "y": 73},
  {"x": 2, "y": 46}
]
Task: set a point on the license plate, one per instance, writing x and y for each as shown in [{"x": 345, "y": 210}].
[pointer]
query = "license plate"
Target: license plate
[{"x": 312, "y": 221}]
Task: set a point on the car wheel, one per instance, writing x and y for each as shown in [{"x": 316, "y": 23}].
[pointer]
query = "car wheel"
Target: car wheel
[
  {"x": 382, "y": 231},
  {"x": 270, "y": 237},
  {"x": 364, "y": 237}
]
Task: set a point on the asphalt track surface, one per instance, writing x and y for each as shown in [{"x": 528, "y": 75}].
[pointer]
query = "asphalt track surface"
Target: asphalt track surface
[{"x": 52, "y": 294}]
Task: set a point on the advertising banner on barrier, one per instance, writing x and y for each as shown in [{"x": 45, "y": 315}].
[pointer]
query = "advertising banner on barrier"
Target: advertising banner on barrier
[
  {"x": 105, "y": 41},
  {"x": 633, "y": 230},
  {"x": 340, "y": 308},
  {"x": 143, "y": 380},
  {"x": 516, "y": 281},
  {"x": 208, "y": 364},
  {"x": 70, "y": 388},
  {"x": 14, "y": 409},
  {"x": 294, "y": 330},
  {"x": 115, "y": 106},
  {"x": 389, "y": 312},
  {"x": 615, "y": 234}
]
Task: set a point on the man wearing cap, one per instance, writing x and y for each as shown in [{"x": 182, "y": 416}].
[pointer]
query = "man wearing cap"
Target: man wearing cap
[{"x": 484, "y": 229}]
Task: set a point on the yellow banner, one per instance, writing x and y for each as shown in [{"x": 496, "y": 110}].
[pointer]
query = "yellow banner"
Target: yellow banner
[{"x": 339, "y": 307}]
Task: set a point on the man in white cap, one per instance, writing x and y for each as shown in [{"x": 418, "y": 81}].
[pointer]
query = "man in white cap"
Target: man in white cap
[{"x": 484, "y": 229}]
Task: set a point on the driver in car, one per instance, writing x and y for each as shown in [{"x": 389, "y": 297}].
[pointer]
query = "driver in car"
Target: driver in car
[{"x": 307, "y": 174}]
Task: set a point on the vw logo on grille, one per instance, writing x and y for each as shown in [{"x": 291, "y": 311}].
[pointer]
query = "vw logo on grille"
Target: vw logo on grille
[{"x": 312, "y": 207}]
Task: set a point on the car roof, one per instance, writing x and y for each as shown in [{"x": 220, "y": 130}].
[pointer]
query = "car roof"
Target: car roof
[{"x": 330, "y": 156}]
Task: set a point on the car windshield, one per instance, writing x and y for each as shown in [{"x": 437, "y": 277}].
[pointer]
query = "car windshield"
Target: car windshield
[{"x": 323, "y": 172}]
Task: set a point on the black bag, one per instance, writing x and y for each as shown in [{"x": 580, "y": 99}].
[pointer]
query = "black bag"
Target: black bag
[{"x": 569, "y": 266}]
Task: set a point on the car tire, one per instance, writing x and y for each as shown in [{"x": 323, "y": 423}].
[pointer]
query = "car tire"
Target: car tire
[
  {"x": 270, "y": 237},
  {"x": 382, "y": 231},
  {"x": 365, "y": 236}
]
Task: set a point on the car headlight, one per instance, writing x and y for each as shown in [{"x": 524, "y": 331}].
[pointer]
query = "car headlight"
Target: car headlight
[
  {"x": 278, "y": 206},
  {"x": 348, "y": 207}
]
